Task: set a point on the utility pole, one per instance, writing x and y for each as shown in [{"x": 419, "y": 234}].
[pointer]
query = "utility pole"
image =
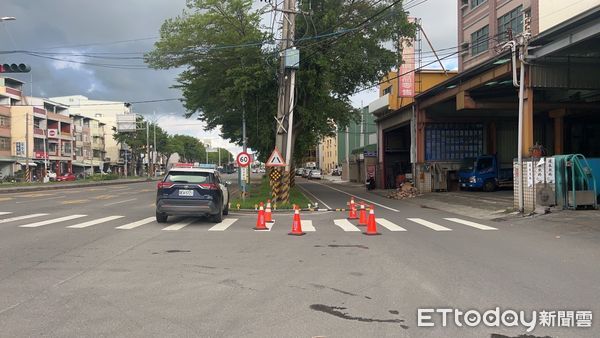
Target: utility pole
[
  {"x": 155, "y": 152},
  {"x": 27, "y": 169},
  {"x": 285, "y": 104},
  {"x": 148, "y": 148}
]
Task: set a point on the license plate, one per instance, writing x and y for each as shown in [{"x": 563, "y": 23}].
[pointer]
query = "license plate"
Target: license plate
[{"x": 186, "y": 192}]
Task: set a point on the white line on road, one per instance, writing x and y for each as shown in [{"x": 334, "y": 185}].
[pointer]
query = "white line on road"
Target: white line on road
[
  {"x": 428, "y": 224},
  {"x": 94, "y": 222},
  {"x": 358, "y": 197},
  {"x": 313, "y": 195},
  {"x": 137, "y": 224},
  {"x": 345, "y": 225},
  {"x": 180, "y": 224},
  {"x": 51, "y": 221},
  {"x": 471, "y": 224},
  {"x": 18, "y": 218},
  {"x": 129, "y": 200},
  {"x": 307, "y": 225},
  {"x": 223, "y": 225},
  {"x": 389, "y": 225},
  {"x": 5, "y": 212},
  {"x": 268, "y": 225}
]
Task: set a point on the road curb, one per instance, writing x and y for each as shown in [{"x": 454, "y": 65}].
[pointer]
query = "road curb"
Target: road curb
[{"x": 70, "y": 186}]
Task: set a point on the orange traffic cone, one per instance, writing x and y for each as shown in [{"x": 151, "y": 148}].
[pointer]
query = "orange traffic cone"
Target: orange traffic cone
[
  {"x": 362, "y": 220},
  {"x": 371, "y": 225},
  {"x": 352, "y": 214},
  {"x": 260, "y": 221},
  {"x": 268, "y": 216},
  {"x": 296, "y": 224}
]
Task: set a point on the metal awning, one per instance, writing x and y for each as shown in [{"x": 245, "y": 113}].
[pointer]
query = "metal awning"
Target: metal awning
[{"x": 31, "y": 164}]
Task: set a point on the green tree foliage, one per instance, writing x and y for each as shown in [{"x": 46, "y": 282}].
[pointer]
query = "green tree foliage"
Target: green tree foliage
[
  {"x": 231, "y": 64},
  {"x": 189, "y": 148}
]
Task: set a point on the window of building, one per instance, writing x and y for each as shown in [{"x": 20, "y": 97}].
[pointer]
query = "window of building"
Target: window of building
[
  {"x": 450, "y": 141},
  {"x": 480, "y": 41},
  {"x": 475, "y": 3},
  {"x": 512, "y": 21},
  {"x": 4, "y": 143},
  {"x": 4, "y": 121},
  {"x": 388, "y": 90}
]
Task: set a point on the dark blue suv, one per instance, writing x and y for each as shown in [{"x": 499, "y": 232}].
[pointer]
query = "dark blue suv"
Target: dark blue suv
[{"x": 192, "y": 192}]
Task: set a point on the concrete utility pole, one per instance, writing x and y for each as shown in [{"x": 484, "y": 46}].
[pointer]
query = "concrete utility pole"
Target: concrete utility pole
[
  {"x": 148, "y": 149},
  {"x": 27, "y": 169},
  {"x": 285, "y": 105}
]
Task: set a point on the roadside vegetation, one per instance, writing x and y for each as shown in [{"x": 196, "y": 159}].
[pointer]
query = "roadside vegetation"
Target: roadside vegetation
[{"x": 262, "y": 192}]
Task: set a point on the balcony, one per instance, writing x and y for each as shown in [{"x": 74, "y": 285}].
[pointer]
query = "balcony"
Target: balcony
[
  {"x": 37, "y": 110},
  {"x": 39, "y": 132}
]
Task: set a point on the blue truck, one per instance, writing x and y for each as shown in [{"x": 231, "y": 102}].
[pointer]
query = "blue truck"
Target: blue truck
[{"x": 485, "y": 173}]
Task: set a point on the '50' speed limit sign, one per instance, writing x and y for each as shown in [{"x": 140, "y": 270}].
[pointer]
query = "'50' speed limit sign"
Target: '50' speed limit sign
[{"x": 243, "y": 159}]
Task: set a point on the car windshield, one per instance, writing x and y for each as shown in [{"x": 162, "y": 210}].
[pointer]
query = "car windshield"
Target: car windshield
[
  {"x": 188, "y": 177},
  {"x": 467, "y": 164}
]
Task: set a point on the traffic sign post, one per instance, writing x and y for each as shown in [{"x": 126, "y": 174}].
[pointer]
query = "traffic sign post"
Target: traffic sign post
[{"x": 243, "y": 160}]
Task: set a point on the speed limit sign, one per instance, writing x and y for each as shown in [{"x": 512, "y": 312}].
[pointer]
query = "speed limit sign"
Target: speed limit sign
[{"x": 243, "y": 159}]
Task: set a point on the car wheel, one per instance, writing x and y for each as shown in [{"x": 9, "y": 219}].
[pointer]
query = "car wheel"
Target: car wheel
[
  {"x": 217, "y": 218},
  {"x": 489, "y": 186},
  {"x": 161, "y": 217}
]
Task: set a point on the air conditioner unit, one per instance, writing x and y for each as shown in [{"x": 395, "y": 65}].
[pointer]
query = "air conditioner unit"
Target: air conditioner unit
[{"x": 545, "y": 194}]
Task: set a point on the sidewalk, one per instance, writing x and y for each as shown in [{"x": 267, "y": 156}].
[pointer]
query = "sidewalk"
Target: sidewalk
[{"x": 6, "y": 188}]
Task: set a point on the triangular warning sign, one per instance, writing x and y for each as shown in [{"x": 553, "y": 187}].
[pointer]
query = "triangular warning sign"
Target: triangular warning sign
[{"x": 275, "y": 160}]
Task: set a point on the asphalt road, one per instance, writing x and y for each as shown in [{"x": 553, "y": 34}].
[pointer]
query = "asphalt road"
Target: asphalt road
[{"x": 104, "y": 267}]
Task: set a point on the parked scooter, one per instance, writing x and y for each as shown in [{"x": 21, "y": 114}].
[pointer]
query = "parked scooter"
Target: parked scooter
[{"x": 370, "y": 183}]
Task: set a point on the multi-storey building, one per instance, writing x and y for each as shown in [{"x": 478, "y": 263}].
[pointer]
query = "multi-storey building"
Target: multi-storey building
[
  {"x": 106, "y": 113},
  {"x": 89, "y": 149},
  {"x": 10, "y": 94},
  {"x": 328, "y": 156},
  {"x": 44, "y": 128}
]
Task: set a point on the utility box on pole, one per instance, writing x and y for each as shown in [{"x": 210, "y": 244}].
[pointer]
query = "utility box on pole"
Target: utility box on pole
[{"x": 292, "y": 58}]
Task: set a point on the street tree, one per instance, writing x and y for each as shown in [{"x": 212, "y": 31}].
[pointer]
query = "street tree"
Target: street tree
[{"x": 231, "y": 64}]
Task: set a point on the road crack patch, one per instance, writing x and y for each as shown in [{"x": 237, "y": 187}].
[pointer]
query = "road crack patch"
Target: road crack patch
[{"x": 337, "y": 311}]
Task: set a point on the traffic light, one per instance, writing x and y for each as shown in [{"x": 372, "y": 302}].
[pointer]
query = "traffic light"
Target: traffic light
[{"x": 14, "y": 68}]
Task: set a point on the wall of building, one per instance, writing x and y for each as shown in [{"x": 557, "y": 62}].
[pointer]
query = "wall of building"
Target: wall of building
[
  {"x": 553, "y": 12},
  {"x": 328, "y": 154}
]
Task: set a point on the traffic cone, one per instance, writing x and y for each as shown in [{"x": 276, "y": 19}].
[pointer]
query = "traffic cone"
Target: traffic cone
[
  {"x": 260, "y": 221},
  {"x": 296, "y": 224},
  {"x": 268, "y": 216},
  {"x": 352, "y": 214},
  {"x": 371, "y": 225},
  {"x": 362, "y": 220}
]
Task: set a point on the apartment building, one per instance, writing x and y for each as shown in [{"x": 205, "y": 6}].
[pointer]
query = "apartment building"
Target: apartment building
[
  {"x": 105, "y": 112},
  {"x": 89, "y": 147},
  {"x": 10, "y": 94},
  {"x": 328, "y": 156}
]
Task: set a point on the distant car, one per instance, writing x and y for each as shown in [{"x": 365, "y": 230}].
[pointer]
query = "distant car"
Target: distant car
[
  {"x": 254, "y": 170},
  {"x": 305, "y": 172},
  {"x": 315, "y": 174},
  {"x": 262, "y": 170},
  {"x": 66, "y": 177},
  {"x": 336, "y": 172},
  {"x": 51, "y": 175},
  {"x": 192, "y": 192},
  {"x": 299, "y": 171}
]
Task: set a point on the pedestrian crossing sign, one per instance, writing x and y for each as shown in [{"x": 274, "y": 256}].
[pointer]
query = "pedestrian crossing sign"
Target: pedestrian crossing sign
[{"x": 275, "y": 160}]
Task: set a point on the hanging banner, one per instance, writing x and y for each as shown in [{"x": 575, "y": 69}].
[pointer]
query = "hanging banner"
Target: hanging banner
[{"x": 406, "y": 71}]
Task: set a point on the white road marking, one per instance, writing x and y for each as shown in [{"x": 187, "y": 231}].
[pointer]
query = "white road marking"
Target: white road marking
[
  {"x": 94, "y": 222},
  {"x": 345, "y": 225},
  {"x": 180, "y": 224},
  {"x": 307, "y": 225},
  {"x": 358, "y": 197},
  {"x": 129, "y": 200},
  {"x": 389, "y": 225},
  {"x": 268, "y": 225},
  {"x": 227, "y": 222},
  {"x": 428, "y": 224},
  {"x": 5, "y": 212},
  {"x": 313, "y": 195},
  {"x": 51, "y": 221},
  {"x": 18, "y": 218},
  {"x": 471, "y": 224},
  {"x": 137, "y": 224}
]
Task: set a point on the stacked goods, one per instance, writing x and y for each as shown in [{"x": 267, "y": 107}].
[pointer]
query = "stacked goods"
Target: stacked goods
[{"x": 405, "y": 191}]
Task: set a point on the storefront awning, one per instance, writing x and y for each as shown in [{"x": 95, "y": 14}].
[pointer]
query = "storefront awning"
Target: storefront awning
[{"x": 31, "y": 164}]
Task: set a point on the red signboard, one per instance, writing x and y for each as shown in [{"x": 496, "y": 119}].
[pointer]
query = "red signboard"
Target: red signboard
[{"x": 40, "y": 154}]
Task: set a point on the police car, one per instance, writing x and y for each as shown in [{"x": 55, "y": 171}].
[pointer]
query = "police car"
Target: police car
[{"x": 188, "y": 190}]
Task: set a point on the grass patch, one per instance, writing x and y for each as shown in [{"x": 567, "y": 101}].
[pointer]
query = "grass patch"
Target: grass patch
[{"x": 262, "y": 192}]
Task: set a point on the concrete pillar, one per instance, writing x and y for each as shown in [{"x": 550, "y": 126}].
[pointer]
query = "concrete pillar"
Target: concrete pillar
[
  {"x": 420, "y": 136},
  {"x": 492, "y": 138},
  {"x": 527, "y": 115},
  {"x": 559, "y": 130}
]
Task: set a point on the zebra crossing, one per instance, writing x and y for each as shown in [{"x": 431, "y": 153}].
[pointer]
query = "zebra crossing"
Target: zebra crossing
[{"x": 398, "y": 225}]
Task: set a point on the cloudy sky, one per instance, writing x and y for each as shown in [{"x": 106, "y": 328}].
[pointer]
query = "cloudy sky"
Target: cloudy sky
[{"x": 64, "y": 33}]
